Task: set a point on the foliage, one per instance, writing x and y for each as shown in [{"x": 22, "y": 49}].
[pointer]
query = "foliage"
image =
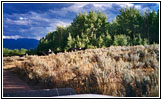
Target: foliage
[
  {"x": 86, "y": 31},
  {"x": 137, "y": 40},
  {"x": 15, "y": 52},
  {"x": 120, "y": 40},
  {"x": 145, "y": 42},
  {"x": 132, "y": 23},
  {"x": 91, "y": 30},
  {"x": 107, "y": 40},
  {"x": 32, "y": 51}
]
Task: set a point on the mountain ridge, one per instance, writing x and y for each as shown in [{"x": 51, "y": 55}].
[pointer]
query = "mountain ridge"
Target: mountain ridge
[{"x": 20, "y": 43}]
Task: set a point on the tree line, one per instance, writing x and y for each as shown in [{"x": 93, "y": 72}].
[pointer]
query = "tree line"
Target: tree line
[
  {"x": 92, "y": 30},
  {"x": 15, "y": 52}
]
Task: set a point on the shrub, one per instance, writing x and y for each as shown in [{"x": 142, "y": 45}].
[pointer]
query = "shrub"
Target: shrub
[
  {"x": 107, "y": 40},
  {"x": 137, "y": 40},
  {"x": 31, "y": 51},
  {"x": 91, "y": 47},
  {"x": 120, "y": 40},
  {"x": 145, "y": 41},
  {"x": 15, "y": 52},
  {"x": 105, "y": 71}
]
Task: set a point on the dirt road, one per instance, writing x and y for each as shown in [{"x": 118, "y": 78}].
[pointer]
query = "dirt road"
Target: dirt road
[{"x": 11, "y": 83}]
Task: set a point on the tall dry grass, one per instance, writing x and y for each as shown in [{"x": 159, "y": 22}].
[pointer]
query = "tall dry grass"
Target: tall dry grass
[{"x": 116, "y": 71}]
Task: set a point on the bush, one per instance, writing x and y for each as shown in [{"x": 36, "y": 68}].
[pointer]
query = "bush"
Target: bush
[
  {"x": 32, "y": 51},
  {"x": 120, "y": 40},
  {"x": 137, "y": 40},
  {"x": 108, "y": 71},
  {"x": 107, "y": 40},
  {"x": 5, "y": 51},
  {"x": 145, "y": 41},
  {"x": 91, "y": 47},
  {"x": 15, "y": 52}
]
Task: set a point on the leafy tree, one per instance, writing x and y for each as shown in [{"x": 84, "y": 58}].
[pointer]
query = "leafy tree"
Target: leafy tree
[
  {"x": 32, "y": 51},
  {"x": 91, "y": 47},
  {"x": 70, "y": 42},
  {"x": 107, "y": 40},
  {"x": 100, "y": 42},
  {"x": 128, "y": 22},
  {"x": 84, "y": 40},
  {"x": 137, "y": 40},
  {"x": 15, "y": 52},
  {"x": 93, "y": 40},
  {"x": 89, "y": 24},
  {"x": 145, "y": 42},
  {"x": 78, "y": 43},
  {"x": 6, "y": 52},
  {"x": 120, "y": 40},
  {"x": 156, "y": 28},
  {"x": 23, "y": 51},
  {"x": 91, "y": 30},
  {"x": 113, "y": 28},
  {"x": 151, "y": 26}
]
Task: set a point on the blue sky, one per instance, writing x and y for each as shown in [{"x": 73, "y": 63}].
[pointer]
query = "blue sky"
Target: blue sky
[{"x": 35, "y": 20}]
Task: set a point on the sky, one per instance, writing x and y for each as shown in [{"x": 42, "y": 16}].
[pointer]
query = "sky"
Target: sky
[{"x": 35, "y": 20}]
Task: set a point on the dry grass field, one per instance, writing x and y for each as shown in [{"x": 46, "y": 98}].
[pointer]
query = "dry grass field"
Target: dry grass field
[{"x": 116, "y": 71}]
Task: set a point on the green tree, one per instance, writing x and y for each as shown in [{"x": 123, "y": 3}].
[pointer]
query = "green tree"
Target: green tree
[
  {"x": 120, "y": 40},
  {"x": 156, "y": 28},
  {"x": 6, "y": 52},
  {"x": 107, "y": 40},
  {"x": 145, "y": 42},
  {"x": 92, "y": 23},
  {"x": 23, "y": 51},
  {"x": 137, "y": 40},
  {"x": 91, "y": 30},
  {"x": 15, "y": 52},
  {"x": 152, "y": 26},
  {"x": 128, "y": 22},
  {"x": 100, "y": 42},
  {"x": 84, "y": 40},
  {"x": 70, "y": 42}
]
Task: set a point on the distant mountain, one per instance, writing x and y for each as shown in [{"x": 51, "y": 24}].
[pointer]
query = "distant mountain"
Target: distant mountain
[{"x": 20, "y": 43}]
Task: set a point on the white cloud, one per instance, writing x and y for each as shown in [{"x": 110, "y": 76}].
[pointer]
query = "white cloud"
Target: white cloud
[
  {"x": 20, "y": 37},
  {"x": 21, "y": 18},
  {"x": 38, "y": 16},
  {"x": 138, "y": 7},
  {"x": 18, "y": 22},
  {"x": 58, "y": 12},
  {"x": 76, "y": 8},
  {"x": 125, "y": 4},
  {"x": 38, "y": 24},
  {"x": 12, "y": 37},
  {"x": 100, "y": 5},
  {"x": 85, "y": 7}
]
